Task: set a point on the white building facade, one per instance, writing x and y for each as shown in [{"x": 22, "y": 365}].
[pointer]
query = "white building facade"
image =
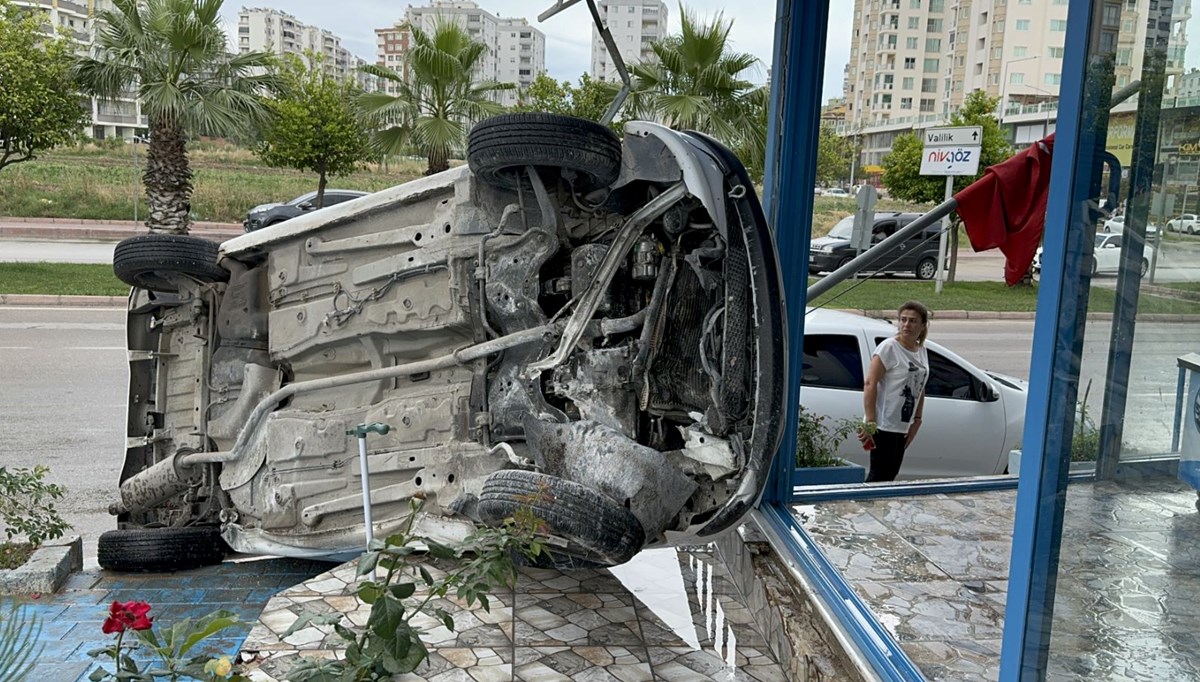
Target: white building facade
[
  {"x": 912, "y": 62},
  {"x": 634, "y": 25},
  {"x": 516, "y": 51},
  {"x": 262, "y": 29}
]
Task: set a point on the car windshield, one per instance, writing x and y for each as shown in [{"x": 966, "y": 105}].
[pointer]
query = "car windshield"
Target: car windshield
[
  {"x": 302, "y": 198},
  {"x": 844, "y": 228},
  {"x": 1100, "y": 239}
]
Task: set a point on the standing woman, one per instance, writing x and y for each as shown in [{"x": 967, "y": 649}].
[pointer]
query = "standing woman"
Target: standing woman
[{"x": 894, "y": 392}]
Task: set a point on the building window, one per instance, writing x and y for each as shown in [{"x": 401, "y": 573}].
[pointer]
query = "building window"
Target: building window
[
  {"x": 927, "y": 106},
  {"x": 1123, "y": 55},
  {"x": 914, "y": 4},
  {"x": 1053, "y": 79},
  {"x": 928, "y": 85},
  {"x": 937, "y": 5},
  {"x": 914, "y": 23},
  {"x": 1022, "y": 24},
  {"x": 1020, "y": 51},
  {"x": 1056, "y": 53},
  {"x": 933, "y": 26},
  {"x": 1059, "y": 25},
  {"x": 931, "y": 65},
  {"x": 910, "y": 43},
  {"x": 933, "y": 44},
  {"x": 906, "y": 103},
  {"x": 910, "y": 63},
  {"x": 907, "y": 83},
  {"x": 1016, "y": 78}
]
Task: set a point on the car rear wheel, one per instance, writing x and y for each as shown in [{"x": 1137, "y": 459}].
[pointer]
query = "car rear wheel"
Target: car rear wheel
[
  {"x": 156, "y": 262},
  {"x": 1095, "y": 266},
  {"x": 926, "y": 268},
  {"x": 596, "y": 529},
  {"x": 1145, "y": 267},
  {"x": 587, "y": 153},
  {"x": 160, "y": 549}
]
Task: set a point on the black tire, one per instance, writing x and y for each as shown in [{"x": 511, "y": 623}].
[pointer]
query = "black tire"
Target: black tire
[
  {"x": 1095, "y": 266},
  {"x": 843, "y": 262},
  {"x": 154, "y": 261},
  {"x": 598, "y": 531},
  {"x": 1145, "y": 268},
  {"x": 926, "y": 268},
  {"x": 499, "y": 149},
  {"x": 160, "y": 549}
]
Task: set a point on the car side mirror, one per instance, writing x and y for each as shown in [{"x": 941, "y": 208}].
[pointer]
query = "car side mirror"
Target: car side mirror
[
  {"x": 985, "y": 392},
  {"x": 305, "y": 206}
]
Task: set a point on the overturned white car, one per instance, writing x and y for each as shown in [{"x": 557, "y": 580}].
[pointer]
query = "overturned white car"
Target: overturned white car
[{"x": 587, "y": 325}]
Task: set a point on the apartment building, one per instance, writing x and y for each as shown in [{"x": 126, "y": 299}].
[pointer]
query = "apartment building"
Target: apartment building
[
  {"x": 634, "y": 25},
  {"x": 516, "y": 50},
  {"x": 912, "y": 62},
  {"x": 263, "y": 29},
  {"x": 120, "y": 118}
]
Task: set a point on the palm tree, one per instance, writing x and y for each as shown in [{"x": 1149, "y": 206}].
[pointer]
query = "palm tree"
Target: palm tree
[
  {"x": 698, "y": 83},
  {"x": 172, "y": 54},
  {"x": 437, "y": 98}
]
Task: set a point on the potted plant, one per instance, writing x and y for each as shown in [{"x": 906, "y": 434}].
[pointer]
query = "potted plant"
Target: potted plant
[{"x": 817, "y": 443}]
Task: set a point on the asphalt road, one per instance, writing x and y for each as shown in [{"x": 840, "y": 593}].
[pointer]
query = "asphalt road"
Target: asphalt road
[{"x": 64, "y": 375}]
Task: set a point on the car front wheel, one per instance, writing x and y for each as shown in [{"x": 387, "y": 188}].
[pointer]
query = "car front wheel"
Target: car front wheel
[
  {"x": 156, "y": 262},
  {"x": 160, "y": 549}
]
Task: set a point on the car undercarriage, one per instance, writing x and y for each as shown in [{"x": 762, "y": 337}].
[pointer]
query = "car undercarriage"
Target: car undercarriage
[{"x": 586, "y": 325}]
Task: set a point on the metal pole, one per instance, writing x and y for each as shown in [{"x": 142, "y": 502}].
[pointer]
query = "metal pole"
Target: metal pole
[
  {"x": 133, "y": 162},
  {"x": 941, "y": 276},
  {"x": 365, "y": 476}
]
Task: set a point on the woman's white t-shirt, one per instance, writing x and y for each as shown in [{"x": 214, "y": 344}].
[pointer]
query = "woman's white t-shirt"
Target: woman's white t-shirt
[{"x": 903, "y": 381}]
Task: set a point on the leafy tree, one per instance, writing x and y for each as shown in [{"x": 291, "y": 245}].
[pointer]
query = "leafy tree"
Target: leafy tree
[
  {"x": 545, "y": 94},
  {"x": 698, "y": 83},
  {"x": 437, "y": 101},
  {"x": 39, "y": 109},
  {"x": 315, "y": 126},
  {"x": 902, "y": 167},
  {"x": 833, "y": 156},
  {"x": 589, "y": 99},
  {"x": 171, "y": 53}
]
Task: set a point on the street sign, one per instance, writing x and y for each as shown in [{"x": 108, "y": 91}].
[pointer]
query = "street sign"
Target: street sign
[
  {"x": 962, "y": 136},
  {"x": 951, "y": 151}
]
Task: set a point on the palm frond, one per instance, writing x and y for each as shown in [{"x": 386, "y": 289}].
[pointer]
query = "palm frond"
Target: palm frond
[{"x": 19, "y": 645}]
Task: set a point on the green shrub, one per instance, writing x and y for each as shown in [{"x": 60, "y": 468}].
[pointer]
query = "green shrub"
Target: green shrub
[{"x": 27, "y": 506}]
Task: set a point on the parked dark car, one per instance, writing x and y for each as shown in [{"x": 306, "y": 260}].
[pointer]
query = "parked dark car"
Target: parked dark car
[
  {"x": 917, "y": 255},
  {"x": 269, "y": 214}
]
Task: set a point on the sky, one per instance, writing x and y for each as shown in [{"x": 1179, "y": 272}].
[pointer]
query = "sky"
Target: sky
[{"x": 568, "y": 34}]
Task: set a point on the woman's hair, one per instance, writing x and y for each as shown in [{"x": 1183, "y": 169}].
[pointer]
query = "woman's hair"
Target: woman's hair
[{"x": 920, "y": 309}]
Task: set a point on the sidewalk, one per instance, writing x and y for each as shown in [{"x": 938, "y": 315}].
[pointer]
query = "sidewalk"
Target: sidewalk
[{"x": 100, "y": 230}]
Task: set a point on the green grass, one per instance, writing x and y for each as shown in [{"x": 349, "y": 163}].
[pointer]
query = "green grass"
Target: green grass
[
  {"x": 98, "y": 183},
  {"x": 60, "y": 278},
  {"x": 888, "y": 294}
]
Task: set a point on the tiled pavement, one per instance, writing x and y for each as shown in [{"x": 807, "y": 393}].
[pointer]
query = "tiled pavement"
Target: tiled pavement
[
  {"x": 71, "y": 618},
  {"x": 667, "y": 615}
]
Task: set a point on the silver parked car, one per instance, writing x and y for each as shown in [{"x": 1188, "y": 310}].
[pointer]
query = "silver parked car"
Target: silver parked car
[{"x": 587, "y": 325}]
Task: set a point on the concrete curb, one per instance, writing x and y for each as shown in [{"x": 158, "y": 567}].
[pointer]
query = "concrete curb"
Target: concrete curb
[
  {"x": 63, "y": 300},
  {"x": 46, "y": 570},
  {"x": 100, "y": 230}
]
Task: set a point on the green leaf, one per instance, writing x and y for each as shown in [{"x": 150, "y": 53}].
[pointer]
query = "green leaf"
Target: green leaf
[
  {"x": 369, "y": 592},
  {"x": 367, "y": 563},
  {"x": 311, "y": 618},
  {"x": 439, "y": 551},
  {"x": 387, "y": 614},
  {"x": 403, "y": 590},
  {"x": 425, "y": 575}
]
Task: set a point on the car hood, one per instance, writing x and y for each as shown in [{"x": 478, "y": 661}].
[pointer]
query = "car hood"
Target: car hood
[
  {"x": 262, "y": 208},
  {"x": 828, "y": 241},
  {"x": 1009, "y": 382}
]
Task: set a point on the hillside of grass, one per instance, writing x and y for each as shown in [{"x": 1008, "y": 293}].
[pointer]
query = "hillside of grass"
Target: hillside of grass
[{"x": 100, "y": 182}]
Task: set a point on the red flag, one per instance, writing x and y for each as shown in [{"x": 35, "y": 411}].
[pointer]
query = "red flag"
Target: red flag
[{"x": 1006, "y": 208}]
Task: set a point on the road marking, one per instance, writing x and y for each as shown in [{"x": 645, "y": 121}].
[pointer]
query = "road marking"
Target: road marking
[{"x": 62, "y": 326}]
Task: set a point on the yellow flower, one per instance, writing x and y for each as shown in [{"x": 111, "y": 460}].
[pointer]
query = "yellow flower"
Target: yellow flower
[{"x": 220, "y": 667}]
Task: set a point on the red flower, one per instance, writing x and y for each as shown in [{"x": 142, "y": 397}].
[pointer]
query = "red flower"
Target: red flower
[{"x": 128, "y": 616}]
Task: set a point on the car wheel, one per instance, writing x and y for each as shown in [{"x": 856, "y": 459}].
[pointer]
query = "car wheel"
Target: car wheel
[
  {"x": 1191, "y": 229},
  {"x": 596, "y": 529},
  {"x": 587, "y": 153},
  {"x": 926, "y": 268},
  {"x": 1145, "y": 267},
  {"x": 156, "y": 261},
  {"x": 160, "y": 549},
  {"x": 843, "y": 262},
  {"x": 1095, "y": 266}
]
